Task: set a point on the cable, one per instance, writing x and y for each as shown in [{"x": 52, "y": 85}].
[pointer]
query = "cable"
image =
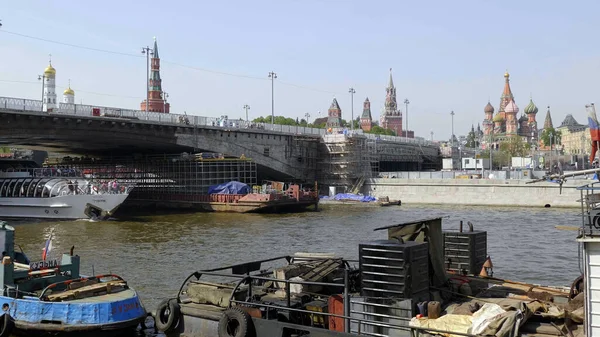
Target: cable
[
  {"x": 163, "y": 61},
  {"x": 75, "y": 89},
  {"x": 69, "y": 44}
]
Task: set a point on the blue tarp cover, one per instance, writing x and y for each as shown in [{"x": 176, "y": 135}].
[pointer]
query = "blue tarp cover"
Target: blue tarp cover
[
  {"x": 232, "y": 187},
  {"x": 350, "y": 196}
]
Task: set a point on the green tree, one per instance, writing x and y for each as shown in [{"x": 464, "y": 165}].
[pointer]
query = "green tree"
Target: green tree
[
  {"x": 514, "y": 146},
  {"x": 550, "y": 136},
  {"x": 472, "y": 140},
  {"x": 378, "y": 130}
]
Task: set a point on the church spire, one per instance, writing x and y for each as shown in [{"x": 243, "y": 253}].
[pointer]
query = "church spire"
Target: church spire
[
  {"x": 391, "y": 83},
  {"x": 507, "y": 95}
]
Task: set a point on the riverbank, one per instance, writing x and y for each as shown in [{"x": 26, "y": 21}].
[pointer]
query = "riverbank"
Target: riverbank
[{"x": 475, "y": 192}]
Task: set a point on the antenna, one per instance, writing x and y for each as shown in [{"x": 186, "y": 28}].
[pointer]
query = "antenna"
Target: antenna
[{"x": 50, "y": 58}]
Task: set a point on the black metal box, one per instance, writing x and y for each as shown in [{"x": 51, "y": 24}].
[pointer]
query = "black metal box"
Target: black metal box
[
  {"x": 393, "y": 269},
  {"x": 465, "y": 252}
]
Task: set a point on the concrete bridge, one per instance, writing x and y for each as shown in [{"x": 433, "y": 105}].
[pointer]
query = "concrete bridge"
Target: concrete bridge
[{"x": 282, "y": 151}]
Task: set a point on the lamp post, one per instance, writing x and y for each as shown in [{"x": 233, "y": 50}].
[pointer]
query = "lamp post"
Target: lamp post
[
  {"x": 246, "y": 107},
  {"x": 148, "y": 51},
  {"x": 406, "y": 103},
  {"x": 452, "y": 114},
  {"x": 43, "y": 79},
  {"x": 352, "y": 92},
  {"x": 272, "y": 76},
  {"x": 431, "y": 133},
  {"x": 165, "y": 96},
  {"x": 307, "y": 115}
]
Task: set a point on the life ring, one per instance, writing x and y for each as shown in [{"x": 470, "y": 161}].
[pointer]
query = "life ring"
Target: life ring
[
  {"x": 167, "y": 315},
  {"x": 8, "y": 325},
  {"x": 235, "y": 323}
]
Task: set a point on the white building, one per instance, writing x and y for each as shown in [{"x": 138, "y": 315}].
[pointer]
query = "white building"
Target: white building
[
  {"x": 69, "y": 95},
  {"x": 49, "y": 102}
]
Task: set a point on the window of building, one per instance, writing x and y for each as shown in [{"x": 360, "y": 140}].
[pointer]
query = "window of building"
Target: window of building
[{"x": 466, "y": 161}]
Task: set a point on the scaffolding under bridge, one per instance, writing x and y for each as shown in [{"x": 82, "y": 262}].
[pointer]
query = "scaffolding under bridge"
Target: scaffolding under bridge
[{"x": 164, "y": 177}]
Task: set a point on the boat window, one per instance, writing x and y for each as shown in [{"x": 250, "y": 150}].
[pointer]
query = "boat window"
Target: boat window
[
  {"x": 4, "y": 187},
  {"x": 17, "y": 188}
]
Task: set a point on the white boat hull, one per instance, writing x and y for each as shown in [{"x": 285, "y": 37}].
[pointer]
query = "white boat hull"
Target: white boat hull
[{"x": 70, "y": 207}]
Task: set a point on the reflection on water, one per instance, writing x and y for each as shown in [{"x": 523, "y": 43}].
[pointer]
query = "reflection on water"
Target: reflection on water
[{"x": 156, "y": 252}]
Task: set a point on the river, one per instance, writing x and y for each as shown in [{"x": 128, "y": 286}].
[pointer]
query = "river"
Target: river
[{"x": 155, "y": 252}]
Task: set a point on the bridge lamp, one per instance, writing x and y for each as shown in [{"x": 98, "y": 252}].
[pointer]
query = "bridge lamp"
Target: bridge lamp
[
  {"x": 43, "y": 79},
  {"x": 246, "y": 107},
  {"x": 272, "y": 76}
]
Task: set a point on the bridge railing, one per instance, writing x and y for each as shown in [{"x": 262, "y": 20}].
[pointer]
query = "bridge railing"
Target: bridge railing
[{"x": 36, "y": 106}]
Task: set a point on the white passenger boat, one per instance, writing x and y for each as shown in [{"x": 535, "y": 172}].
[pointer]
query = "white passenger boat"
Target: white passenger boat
[{"x": 47, "y": 193}]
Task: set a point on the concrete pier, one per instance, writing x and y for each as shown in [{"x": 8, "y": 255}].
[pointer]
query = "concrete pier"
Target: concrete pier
[{"x": 484, "y": 192}]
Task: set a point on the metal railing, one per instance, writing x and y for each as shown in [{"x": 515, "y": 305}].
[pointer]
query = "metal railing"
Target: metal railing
[
  {"x": 35, "y": 107},
  {"x": 244, "y": 277}
]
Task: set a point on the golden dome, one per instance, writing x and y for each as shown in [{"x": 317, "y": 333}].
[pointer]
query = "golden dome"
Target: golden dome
[
  {"x": 69, "y": 91},
  {"x": 50, "y": 70},
  {"x": 506, "y": 74}
]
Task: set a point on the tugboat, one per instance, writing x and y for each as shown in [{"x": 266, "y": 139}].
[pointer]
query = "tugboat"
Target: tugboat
[{"x": 51, "y": 297}]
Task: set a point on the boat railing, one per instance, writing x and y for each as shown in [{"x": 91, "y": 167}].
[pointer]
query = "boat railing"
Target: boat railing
[
  {"x": 244, "y": 277},
  {"x": 66, "y": 283},
  {"x": 46, "y": 172}
]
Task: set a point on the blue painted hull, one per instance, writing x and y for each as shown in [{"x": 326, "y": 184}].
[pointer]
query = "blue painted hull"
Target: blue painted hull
[{"x": 106, "y": 313}]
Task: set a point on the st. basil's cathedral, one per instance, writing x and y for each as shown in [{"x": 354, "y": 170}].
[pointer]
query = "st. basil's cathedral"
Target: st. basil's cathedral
[{"x": 505, "y": 123}]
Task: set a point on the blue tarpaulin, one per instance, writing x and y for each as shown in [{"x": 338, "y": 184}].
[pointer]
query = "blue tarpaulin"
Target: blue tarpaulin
[
  {"x": 232, "y": 187},
  {"x": 351, "y": 196}
]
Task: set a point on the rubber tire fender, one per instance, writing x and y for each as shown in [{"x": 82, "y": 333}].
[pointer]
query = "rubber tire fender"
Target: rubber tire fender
[
  {"x": 8, "y": 325},
  {"x": 237, "y": 316},
  {"x": 168, "y": 323}
]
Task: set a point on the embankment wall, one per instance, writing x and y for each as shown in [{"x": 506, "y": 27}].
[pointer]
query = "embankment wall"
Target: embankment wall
[{"x": 475, "y": 192}]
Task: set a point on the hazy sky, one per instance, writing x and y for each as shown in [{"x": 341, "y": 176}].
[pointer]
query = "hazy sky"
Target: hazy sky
[{"x": 445, "y": 55}]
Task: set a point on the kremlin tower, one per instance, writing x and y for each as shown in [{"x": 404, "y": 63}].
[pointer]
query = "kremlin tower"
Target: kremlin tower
[
  {"x": 366, "y": 121},
  {"x": 392, "y": 117},
  {"x": 156, "y": 101},
  {"x": 49, "y": 98},
  {"x": 334, "y": 115}
]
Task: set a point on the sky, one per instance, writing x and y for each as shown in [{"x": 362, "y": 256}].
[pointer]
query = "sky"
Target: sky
[{"x": 216, "y": 55}]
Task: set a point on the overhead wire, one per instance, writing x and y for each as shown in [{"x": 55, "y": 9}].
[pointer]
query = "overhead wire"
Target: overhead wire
[
  {"x": 74, "y": 88},
  {"x": 162, "y": 60}
]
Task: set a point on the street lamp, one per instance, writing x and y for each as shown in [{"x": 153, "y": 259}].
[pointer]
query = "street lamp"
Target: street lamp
[
  {"x": 307, "y": 115},
  {"x": 272, "y": 76},
  {"x": 452, "y": 114},
  {"x": 406, "y": 103},
  {"x": 352, "y": 92},
  {"x": 148, "y": 51},
  {"x": 165, "y": 96},
  {"x": 43, "y": 79},
  {"x": 246, "y": 107}
]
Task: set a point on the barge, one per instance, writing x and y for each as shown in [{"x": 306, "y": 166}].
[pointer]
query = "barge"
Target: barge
[
  {"x": 417, "y": 279},
  {"x": 236, "y": 197}
]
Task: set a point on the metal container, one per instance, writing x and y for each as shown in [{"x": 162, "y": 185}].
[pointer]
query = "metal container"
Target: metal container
[
  {"x": 465, "y": 252},
  {"x": 361, "y": 309},
  {"x": 393, "y": 269}
]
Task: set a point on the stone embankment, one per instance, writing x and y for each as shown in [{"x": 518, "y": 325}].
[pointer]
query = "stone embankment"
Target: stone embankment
[{"x": 485, "y": 192}]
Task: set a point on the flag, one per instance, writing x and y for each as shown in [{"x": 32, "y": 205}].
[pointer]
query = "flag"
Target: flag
[
  {"x": 595, "y": 177},
  {"x": 47, "y": 248}
]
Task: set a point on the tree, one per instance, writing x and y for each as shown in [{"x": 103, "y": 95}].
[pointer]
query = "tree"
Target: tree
[
  {"x": 514, "y": 146},
  {"x": 378, "y": 130},
  {"x": 550, "y": 137},
  {"x": 472, "y": 141}
]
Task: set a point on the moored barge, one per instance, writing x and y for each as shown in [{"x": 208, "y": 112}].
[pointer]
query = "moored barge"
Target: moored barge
[{"x": 416, "y": 279}]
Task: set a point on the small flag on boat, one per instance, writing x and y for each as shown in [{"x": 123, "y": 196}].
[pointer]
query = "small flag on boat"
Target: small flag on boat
[{"x": 47, "y": 248}]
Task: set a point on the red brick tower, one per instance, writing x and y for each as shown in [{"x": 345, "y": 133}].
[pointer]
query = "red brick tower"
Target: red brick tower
[{"x": 156, "y": 101}]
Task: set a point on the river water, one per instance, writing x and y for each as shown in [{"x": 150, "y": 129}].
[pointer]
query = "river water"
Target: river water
[{"x": 155, "y": 252}]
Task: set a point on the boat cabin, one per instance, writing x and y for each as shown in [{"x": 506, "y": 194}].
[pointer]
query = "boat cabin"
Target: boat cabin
[{"x": 21, "y": 278}]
